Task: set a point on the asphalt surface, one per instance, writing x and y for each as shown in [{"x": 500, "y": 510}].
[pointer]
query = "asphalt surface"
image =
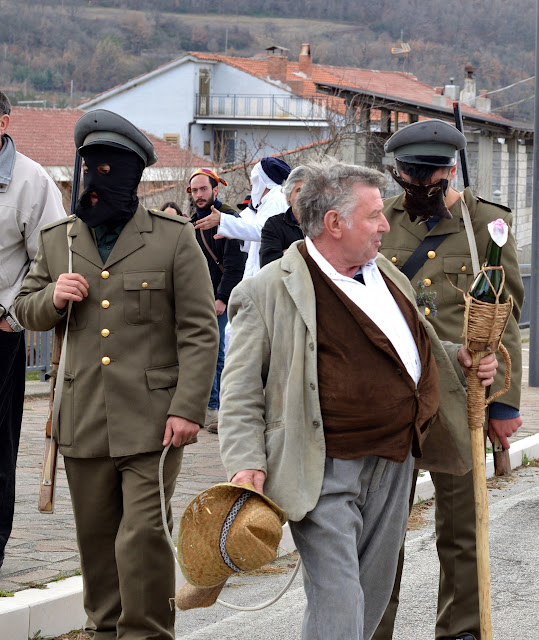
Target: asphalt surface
[
  {"x": 514, "y": 561},
  {"x": 43, "y": 548}
]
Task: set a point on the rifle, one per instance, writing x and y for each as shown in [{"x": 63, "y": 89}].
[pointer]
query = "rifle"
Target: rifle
[
  {"x": 45, "y": 503},
  {"x": 502, "y": 462}
]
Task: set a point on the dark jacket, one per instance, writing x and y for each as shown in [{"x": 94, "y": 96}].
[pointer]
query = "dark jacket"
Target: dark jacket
[
  {"x": 228, "y": 254},
  {"x": 278, "y": 234}
]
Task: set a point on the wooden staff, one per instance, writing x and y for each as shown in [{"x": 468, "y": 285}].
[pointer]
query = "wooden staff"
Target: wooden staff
[
  {"x": 484, "y": 324},
  {"x": 45, "y": 502},
  {"x": 502, "y": 463}
]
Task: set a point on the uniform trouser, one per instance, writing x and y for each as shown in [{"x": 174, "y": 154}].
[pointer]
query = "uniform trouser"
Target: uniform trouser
[
  {"x": 12, "y": 375},
  {"x": 458, "y": 599},
  {"x": 349, "y": 545},
  {"x": 127, "y": 565}
]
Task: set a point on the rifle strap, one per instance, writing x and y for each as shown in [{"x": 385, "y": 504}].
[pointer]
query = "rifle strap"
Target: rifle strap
[
  {"x": 211, "y": 252},
  {"x": 420, "y": 255},
  {"x": 59, "y": 387},
  {"x": 471, "y": 236}
]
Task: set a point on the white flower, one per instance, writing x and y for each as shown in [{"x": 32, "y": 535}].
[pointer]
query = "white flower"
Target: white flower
[{"x": 499, "y": 231}]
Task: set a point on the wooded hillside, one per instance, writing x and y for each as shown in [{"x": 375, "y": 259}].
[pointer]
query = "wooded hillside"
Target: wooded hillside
[{"x": 52, "y": 47}]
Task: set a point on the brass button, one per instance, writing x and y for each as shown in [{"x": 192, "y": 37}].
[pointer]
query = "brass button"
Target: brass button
[
  {"x": 427, "y": 311},
  {"x": 316, "y": 423},
  {"x": 311, "y": 346},
  {"x": 105, "y": 360},
  {"x": 431, "y": 255},
  {"x": 463, "y": 268},
  {"x": 312, "y": 386},
  {"x": 105, "y": 274},
  {"x": 144, "y": 285},
  {"x": 105, "y": 304},
  {"x": 394, "y": 259},
  {"x": 105, "y": 333},
  {"x": 427, "y": 282}
]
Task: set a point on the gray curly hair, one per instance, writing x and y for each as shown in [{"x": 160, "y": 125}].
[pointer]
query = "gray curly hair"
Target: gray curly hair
[
  {"x": 328, "y": 185},
  {"x": 296, "y": 175}
]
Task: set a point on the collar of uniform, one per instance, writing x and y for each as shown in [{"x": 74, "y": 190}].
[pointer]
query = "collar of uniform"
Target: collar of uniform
[{"x": 444, "y": 226}]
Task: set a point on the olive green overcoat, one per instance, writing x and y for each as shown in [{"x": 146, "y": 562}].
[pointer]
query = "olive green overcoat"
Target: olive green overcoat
[{"x": 450, "y": 269}]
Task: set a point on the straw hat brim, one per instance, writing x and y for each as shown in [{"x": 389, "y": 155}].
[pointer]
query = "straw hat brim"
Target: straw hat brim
[
  {"x": 190, "y": 597},
  {"x": 252, "y": 540}
]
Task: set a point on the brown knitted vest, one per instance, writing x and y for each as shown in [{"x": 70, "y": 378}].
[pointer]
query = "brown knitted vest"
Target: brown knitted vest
[{"x": 369, "y": 403}]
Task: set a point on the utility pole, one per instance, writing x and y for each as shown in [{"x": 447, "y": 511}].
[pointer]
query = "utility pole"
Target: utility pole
[{"x": 533, "y": 379}]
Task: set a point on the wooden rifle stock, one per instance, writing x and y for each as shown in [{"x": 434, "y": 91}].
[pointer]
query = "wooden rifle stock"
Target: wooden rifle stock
[{"x": 45, "y": 502}]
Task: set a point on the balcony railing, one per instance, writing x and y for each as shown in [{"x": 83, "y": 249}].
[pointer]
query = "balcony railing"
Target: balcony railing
[{"x": 273, "y": 107}]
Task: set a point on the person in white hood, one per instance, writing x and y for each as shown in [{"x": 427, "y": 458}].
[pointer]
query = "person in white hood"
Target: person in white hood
[{"x": 267, "y": 200}]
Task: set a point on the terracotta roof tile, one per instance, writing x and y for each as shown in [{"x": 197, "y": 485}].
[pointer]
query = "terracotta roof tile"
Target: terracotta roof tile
[
  {"x": 397, "y": 84},
  {"x": 46, "y": 136}
]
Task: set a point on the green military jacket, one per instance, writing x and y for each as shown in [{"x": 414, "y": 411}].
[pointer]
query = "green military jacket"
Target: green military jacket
[
  {"x": 448, "y": 269},
  {"x": 141, "y": 346}
]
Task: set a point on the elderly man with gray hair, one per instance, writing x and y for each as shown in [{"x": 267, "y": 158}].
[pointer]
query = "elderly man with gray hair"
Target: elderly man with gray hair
[
  {"x": 282, "y": 230},
  {"x": 331, "y": 384}
]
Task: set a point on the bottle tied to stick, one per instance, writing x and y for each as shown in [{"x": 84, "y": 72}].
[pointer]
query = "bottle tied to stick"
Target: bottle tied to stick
[{"x": 488, "y": 285}]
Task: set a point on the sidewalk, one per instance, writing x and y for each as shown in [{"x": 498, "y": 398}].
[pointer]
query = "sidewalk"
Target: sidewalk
[{"x": 43, "y": 548}]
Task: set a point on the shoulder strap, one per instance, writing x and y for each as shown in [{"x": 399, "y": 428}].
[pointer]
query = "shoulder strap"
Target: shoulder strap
[
  {"x": 471, "y": 236},
  {"x": 211, "y": 252},
  {"x": 420, "y": 255},
  {"x": 59, "y": 387}
]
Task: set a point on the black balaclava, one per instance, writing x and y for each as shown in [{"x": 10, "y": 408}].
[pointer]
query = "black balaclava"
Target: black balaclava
[
  {"x": 116, "y": 191},
  {"x": 423, "y": 201}
]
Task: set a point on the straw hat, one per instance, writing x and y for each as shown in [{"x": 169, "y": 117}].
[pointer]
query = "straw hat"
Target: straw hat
[{"x": 226, "y": 529}]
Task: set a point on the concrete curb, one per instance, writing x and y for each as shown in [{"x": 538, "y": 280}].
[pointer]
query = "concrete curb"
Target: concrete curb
[{"x": 58, "y": 608}]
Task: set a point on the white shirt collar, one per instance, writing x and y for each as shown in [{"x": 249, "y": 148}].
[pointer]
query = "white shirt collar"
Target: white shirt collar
[{"x": 328, "y": 268}]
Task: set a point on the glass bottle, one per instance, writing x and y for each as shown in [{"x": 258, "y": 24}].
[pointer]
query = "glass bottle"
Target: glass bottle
[{"x": 481, "y": 289}]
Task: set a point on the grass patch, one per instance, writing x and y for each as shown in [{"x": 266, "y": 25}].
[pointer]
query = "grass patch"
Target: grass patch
[
  {"x": 6, "y": 594},
  {"x": 527, "y": 462},
  {"x": 35, "y": 585},
  {"x": 418, "y": 514},
  {"x": 32, "y": 376}
]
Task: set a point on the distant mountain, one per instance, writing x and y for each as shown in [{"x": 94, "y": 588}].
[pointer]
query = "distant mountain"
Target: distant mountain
[{"x": 62, "y": 50}]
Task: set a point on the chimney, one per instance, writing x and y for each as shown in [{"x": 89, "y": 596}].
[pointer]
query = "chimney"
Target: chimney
[
  {"x": 482, "y": 103},
  {"x": 468, "y": 93},
  {"x": 305, "y": 60},
  {"x": 451, "y": 90},
  {"x": 277, "y": 61},
  {"x": 438, "y": 99}
]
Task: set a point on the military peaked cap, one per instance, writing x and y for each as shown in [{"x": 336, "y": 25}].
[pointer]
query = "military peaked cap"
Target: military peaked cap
[
  {"x": 108, "y": 128},
  {"x": 432, "y": 142}
]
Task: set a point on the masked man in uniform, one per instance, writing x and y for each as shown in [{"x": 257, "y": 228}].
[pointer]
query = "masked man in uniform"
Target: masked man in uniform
[
  {"x": 141, "y": 352},
  {"x": 428, "y": 242}
]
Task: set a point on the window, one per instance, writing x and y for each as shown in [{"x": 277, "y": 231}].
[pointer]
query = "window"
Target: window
[
  {"x": 203, "y": 91},
  {"x": 207, "y": 147},
  {"x": 225, "y": 145}
]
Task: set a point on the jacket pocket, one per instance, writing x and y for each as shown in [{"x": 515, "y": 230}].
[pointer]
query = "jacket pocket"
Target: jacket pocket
[
  {"x": 144, "y": 296},
  {"x": 459, "y": 270},
  {"x": 162, "y": 383},
  {"x": 162, "y": 377}
]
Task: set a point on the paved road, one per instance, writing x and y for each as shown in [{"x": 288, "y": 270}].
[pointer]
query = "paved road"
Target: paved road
[
  {"x": 514, "y": 553},
  {"x": 43, "y": 547}
]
